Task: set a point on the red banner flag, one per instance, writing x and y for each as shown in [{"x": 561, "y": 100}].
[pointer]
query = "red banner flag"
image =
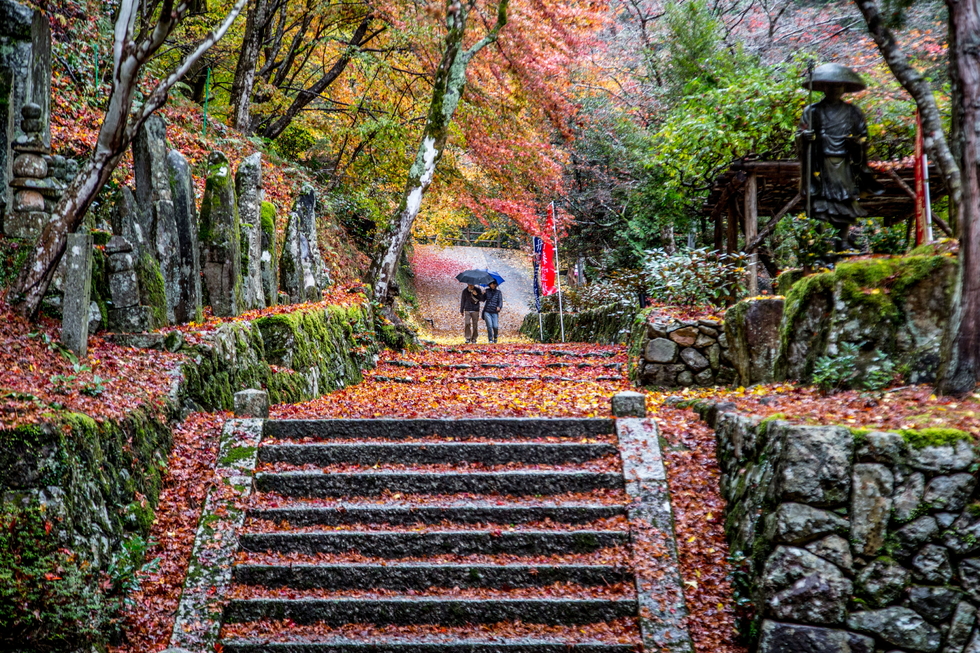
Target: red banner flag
[{"x": 548, "y": 278}]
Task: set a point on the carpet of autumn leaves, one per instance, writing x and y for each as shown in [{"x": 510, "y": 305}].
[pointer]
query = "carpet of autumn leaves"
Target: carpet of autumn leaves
[
  {"x": 37, "y": 378},
  {"x": 149, "y": 618}
]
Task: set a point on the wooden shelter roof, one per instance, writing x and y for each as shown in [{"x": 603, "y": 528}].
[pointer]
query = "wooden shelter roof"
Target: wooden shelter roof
[{"x": 778, "y": 183}]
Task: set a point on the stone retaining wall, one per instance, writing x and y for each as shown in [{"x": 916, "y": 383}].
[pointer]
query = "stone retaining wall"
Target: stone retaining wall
[
  {"x": 853, "y": 541},
  {"x": 675, "y": 353},
  {"x": 608, "y": 325},
  {"x": 74, "y": 491}
]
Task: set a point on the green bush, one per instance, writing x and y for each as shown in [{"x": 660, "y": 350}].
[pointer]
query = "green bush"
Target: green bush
[
  {"x": 833, "y": 373},
  {"x": 294, "y": 142},
  {"x": 694, "y": 277}
]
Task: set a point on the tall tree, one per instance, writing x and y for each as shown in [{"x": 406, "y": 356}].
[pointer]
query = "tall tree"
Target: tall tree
[
  {"x": 450, "y": 79},
  {"x": 141, "y": 28},
  {"x": 958, "y": 162}
]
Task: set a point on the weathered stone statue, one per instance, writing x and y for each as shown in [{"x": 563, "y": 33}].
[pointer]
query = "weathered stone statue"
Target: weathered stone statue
[{"x": 832, "y": 143}]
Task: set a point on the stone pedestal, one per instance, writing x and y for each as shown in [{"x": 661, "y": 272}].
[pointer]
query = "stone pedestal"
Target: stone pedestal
[
  {"x": 629, "y": 404},
  {"x": 78, "y": 293},
  {"x": 252, "y": 403}
]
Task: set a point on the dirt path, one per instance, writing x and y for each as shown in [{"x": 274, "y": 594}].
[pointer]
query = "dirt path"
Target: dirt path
[{"x": 438, "y": 291}]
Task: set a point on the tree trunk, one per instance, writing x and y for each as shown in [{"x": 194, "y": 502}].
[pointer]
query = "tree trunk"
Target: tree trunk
[
  {"x": 447, "y": 90},
  {"x": 920, "y": 90},
  {"x": 248, "y": 59},
  {"x": 962, "y": 359}
]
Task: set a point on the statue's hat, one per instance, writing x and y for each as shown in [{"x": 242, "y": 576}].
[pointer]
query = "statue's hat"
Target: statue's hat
[{"x": 834, "y": 74}]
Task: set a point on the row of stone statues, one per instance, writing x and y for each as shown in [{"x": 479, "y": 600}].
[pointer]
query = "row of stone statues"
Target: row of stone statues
[{"x": 167, "y": 259}]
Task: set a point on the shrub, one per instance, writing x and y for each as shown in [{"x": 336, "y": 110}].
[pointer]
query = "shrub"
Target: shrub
[
  {"x": 833, "y": 373},
  {"x": 694, "y": 277}
]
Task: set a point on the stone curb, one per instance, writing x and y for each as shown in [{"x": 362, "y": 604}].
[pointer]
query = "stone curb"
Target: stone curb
[
  {"x": 459, "y": 514},
  {"x": 209, "y": 574},
  {"x": 659, "y": 593}
]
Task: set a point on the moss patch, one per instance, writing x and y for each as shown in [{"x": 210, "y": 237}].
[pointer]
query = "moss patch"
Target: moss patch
[
  {"x": 152, "y": 292},
  {"x": 934, "y": 437}
]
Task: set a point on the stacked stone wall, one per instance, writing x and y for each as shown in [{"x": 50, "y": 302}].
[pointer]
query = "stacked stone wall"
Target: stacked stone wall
[
  {"x": 851, "y": 541},
  {"x": 674, "y": 353}
]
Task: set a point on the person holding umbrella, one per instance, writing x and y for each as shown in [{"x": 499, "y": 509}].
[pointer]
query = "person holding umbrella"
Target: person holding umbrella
[
  {"x": 469, "y": 308},
  {"x": 494, "y": 301}
]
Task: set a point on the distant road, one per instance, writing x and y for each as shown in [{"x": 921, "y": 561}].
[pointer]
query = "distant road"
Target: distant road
[{"x": 438, "y": 291}]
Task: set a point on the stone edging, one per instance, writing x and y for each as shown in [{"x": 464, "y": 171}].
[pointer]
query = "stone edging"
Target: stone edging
[
  {"x": 660, "y": 596},
  {"x": 198, "y": 620}
]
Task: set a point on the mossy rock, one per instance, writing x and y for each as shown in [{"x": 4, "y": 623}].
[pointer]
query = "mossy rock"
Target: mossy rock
[
  {"x": 152, "y": 289},
  {"x": 895, "y": 306}
]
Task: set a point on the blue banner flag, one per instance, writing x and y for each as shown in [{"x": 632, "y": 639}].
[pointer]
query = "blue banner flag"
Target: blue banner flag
[{"x": 538, "y": 251}]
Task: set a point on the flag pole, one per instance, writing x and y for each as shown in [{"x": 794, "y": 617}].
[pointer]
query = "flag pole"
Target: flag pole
[
  {"x": 554, "y": 233},
  {"x": 537, "y": 285}
]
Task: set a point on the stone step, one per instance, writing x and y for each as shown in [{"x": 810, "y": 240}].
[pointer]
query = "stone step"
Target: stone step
[
  {"x": 387, "y": 646},
  {"x": 421, "y": 576},
  {"x": 473, "y": 513},
  {"x": 317, "y": 484},
  {"x": 412, "y": 544},
  {"x": 504, "y": 428},
  {"x": 430, "y": 610},
  {"x": 435, "y": 453}
]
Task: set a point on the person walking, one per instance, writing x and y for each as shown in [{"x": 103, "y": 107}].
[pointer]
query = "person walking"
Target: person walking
[
  {"x": 469, "y": 308},
  {"x": 494, "y": 301}
]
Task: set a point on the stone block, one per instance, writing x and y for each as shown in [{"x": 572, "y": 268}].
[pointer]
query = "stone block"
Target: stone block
[
  {"x": 685, "y": 379},
  {"x": 793, "y": 638},
  {"x": 910, "y": 537},
  {"x": 882, "y": 447},
  {"x": 799, "y": 586},
  {"x": 77, "y": 293},
  {"x": 252, "y": 403},
  {"x": 908, "y": 497},
  {"x": 898, "y": 626},
  {"x": 834, "y": 549},
  {"x": 629, "y": 404},
  {"x": 964, "y": 535},
  {"x": 797, "y": 523},
  {"x": 933, "y": 603},
  {"x": 124, "y": 290},
  {"x": 931, "y": 565},
  {"x": 815, "y": 465},
  {"x": 188, "y": 305},
  {"x": 882, "y": 581},
  {"x": 133, "y": 319},
  {"x": 660, "y": 350},
  {"x": 693, "y": 359},
  {"x": 704, "y": 341},
  {"x": 960, "y": 626},
  {"x": 970, "y": 577},
  {"x": 118, "y": 245},
  {"x": 121, "y": 262},
  {"x": 685, "y": 336},
  {"x": 248, "y": 189},
  {"x": 949, "y": 492},
  {"x": 871, "y": 504},
  {"x": 24, "y": 225},
  {"x": 704, "y": 377},
  {"x": 270, "y": 255},
  {"x": 752, "y": 326},
  {"x": 942, "y": 459},
  {"x": 220, "y": 229}
]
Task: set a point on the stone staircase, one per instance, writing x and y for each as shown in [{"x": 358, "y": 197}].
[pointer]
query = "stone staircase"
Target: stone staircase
[{"x": 479, "y": 535}]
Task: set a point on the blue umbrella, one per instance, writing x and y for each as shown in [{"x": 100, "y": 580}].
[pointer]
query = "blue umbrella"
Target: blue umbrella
[{"x": 496, "y": 277}]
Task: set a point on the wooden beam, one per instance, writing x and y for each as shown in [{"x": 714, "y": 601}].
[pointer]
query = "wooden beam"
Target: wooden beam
[
  {"x": 771, "y": 225},
  {"x": 751, "y": 228}
]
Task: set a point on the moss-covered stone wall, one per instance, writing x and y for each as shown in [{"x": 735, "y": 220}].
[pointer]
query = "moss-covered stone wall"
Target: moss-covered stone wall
[
  {"x": 896, "y": 307},
  {"x": 294, "y": 356},
  {"x": 77, "y": 496},
  {"x": 607, "y": 325},
  {"x": 76, "y": 504}
]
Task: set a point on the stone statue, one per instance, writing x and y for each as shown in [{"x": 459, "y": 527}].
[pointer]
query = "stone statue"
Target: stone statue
[{"x": 832, "y": 143}]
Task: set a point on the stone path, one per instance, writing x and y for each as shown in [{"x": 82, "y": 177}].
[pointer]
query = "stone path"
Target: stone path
[
  {"x": 488, "y": 535},
  {"x": 438, "y": 291}
]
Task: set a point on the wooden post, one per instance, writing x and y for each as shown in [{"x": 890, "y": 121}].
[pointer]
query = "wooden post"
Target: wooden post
[
  {"x": 731, "y": 225},
  {"x": 751, "y": 229}
]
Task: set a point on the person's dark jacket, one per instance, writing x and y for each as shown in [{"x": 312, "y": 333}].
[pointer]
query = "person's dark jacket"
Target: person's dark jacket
[
  {"x": 494, "y": 300},
  {"x": 469, "y": 301}
]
